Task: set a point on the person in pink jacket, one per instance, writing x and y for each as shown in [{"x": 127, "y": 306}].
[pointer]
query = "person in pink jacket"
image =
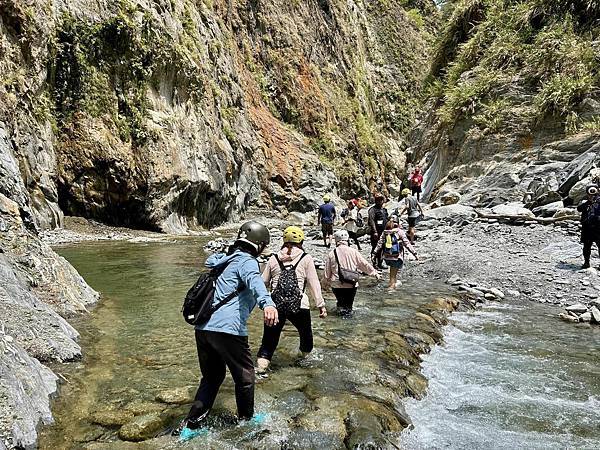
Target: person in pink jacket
[
  {"x": 393, "y": 241},
  {"x": 287, "y": 275},
  {"x": 350, "y": 259}
]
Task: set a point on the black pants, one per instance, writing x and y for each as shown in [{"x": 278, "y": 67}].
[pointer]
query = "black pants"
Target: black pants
[
  {"x": 345, "y": 298},
  {"x": 301, "y": 320},
  {"x": 376, "y": 257},
  {"x": 354, "y": 237},
  {"x": 587, "y": 248},
  {"x": 215, "y": 352}
]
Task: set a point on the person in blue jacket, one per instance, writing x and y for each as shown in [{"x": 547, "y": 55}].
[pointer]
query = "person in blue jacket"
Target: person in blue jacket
[{"x": 223, "y": 340}]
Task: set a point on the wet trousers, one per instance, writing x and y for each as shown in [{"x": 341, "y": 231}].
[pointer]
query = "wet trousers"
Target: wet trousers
[
  {"x": 376, "y": 257},
  {"x": 271, "y": 335},
  {"x": 587, "y": 248},
  {"x": 216, "y": 351},
  {"x": 345, "y": 298}
]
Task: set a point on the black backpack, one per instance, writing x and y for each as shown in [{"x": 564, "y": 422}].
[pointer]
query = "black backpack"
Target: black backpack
[
  {"x": 198, "y": 303},
  {"x": 287, "y": 294},
  {"x": 591, "y": 216}
]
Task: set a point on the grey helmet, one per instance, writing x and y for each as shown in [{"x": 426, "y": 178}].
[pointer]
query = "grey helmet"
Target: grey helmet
[{"x": 254, "y": 233}]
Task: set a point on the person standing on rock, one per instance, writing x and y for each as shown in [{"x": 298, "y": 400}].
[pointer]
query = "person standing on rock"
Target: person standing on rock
[
  {"x": 287, "y": 274},
  {"x": 416, "y": 182},
  {"x": 590, "y": 224},
  {"x": 222, "y": 341},
  {"x": 378, "y": 218},
  {"x": 347, "y": 258},
  {"x": 353, "y": 222},
  {"x": 326, "y": 218},
  {"x": 412, "y": 206},
  {"x": 392, "y": 243}
]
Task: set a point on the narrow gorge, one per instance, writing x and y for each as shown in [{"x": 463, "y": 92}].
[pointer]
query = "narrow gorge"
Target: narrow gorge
[{"x": 166, "y": 122}]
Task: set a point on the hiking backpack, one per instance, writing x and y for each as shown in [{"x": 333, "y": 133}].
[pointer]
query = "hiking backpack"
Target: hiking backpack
[
  {"x": 592, "y": 215},
  {"x": 287, "y": 294},
  {"x": 392, "y": 246},
  {"x": 198, "y": 303}
]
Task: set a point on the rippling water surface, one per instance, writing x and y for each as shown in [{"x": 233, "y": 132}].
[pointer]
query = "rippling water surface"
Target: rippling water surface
[
  {"x": 137, "y": 345},
  {"x": 510, "y": 376}
]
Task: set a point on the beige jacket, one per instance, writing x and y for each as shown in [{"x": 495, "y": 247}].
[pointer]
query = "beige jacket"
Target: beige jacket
[
  {"x": 351, "y": 259},
  {"x": 305, "y": 272}
]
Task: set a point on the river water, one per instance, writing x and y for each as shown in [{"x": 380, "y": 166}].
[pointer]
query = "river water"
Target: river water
[
  {"x": 136, "y": 345},
  {"x": 509, "y": 376}
]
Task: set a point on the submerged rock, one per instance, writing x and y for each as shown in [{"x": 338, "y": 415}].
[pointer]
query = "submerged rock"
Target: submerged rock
[
  {"x": 111, "y": 418},
  {"x": 177, "y": 396},
  {"x": 141, "y": 428}
]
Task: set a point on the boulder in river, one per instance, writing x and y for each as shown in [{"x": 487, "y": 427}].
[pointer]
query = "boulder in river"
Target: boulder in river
[
  {"x": 141, "y": 428},
  {"x": 111, "y": 418},
  {"x": 586, "y": 317},
  {"x": 177, "y": 396}
]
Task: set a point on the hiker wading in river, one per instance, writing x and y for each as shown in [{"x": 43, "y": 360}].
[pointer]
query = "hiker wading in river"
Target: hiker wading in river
[
  {"x": 287, "y": 274},
  {"x": 412, "y": 206},
  {"x": 392, "y": 243},
  {"x": 222, "y": 342},
  {"x": 378, "y": 217},
  {"x": 344, "y": 258},
  {"x": 590, "y": 224}
]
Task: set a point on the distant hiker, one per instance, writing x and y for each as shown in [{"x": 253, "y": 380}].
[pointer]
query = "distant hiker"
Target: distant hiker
[
  {"x": 326, "y": 218},
  {"x": 378, "y": 217},
  {"x": 287, "y": 274},
  {"x": 416, "y": 182},
  {"x": 353, "y": 222},
  {"x": 590, "y": 224},
  {"x": 342, "y": 268},
  {"x": 392, "y": 243},
  {"x": 412, "y": 206},
  {"x": 222, "y": 341}
]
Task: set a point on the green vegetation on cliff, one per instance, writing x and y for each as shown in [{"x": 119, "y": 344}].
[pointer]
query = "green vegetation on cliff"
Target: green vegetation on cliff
[{"x": 511, "y": 65}]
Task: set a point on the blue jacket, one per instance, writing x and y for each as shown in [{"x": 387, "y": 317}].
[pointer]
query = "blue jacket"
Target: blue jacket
[{"x": 242, "y": 271}]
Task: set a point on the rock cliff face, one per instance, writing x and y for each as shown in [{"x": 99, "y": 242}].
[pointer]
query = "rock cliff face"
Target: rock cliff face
[
  {"x": 174, "y": 114},
  {"x": 514, "y": 100}
]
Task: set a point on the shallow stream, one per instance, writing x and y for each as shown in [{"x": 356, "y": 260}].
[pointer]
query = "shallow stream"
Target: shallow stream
[
  {"x": 137, "y": 346},
  {"x": 509, "y": 376}
]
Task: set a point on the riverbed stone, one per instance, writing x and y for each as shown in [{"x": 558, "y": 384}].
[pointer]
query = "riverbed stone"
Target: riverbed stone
[
  {"x": 177, "y": 396},
  {"x": 417, "y": 384},
  {"x": 595, "y": 312},
  {"x": 568, "y": 317},
  {"x": 141, "y": 428},
  {"x": 140, "y": 407},
  {"x": 111, "y": 418},
  {"x": 497, "y": 293},
  {"x": 586, "y": 317},
  {"x": 578, "y": 308}
]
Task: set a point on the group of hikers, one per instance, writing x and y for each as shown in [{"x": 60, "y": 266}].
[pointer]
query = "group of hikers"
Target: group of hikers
[{"x": 280, "y": 291}]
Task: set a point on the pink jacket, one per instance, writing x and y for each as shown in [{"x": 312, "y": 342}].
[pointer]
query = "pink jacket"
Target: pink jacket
[
  {"x": 351, "y": 259},
  {"x": 401, "y": 236},
  {"x": 305, "y": 271}
]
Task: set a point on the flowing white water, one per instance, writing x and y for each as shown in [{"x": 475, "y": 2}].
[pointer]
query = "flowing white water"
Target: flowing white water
[{"x": 510, "y": 376}]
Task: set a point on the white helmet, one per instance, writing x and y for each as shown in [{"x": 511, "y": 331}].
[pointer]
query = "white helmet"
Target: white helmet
[{"x": 341, "y": 235}]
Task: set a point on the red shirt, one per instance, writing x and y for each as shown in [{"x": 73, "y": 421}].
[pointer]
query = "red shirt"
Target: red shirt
[{"x": 416, "y": 179}]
